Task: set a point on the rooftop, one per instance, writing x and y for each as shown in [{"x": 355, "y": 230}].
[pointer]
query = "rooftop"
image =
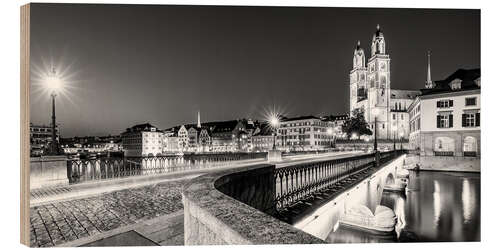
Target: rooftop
[
  {"x": 404, "y": 94},
  {"x": 307, "y": 117},
  {"x": 467, "y": 78}
]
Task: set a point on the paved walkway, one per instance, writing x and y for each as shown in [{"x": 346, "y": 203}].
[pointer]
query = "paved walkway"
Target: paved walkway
[
  {"x": 64, "y": 221},
  {"x": 143, "y": 206}
]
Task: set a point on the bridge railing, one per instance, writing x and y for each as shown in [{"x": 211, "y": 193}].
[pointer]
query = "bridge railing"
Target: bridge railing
[
  {"x": 298, "y": 182},
  {"x": 81, "y": 170}
]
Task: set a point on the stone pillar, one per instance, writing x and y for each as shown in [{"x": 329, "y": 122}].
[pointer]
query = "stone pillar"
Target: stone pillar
[
  {"x": 274, "y": 155},
  {"x": 46, "y": 171}
]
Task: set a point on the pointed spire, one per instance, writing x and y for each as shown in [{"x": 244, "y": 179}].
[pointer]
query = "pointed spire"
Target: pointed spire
[
  {"x": 199, "y": 122},
  {"x": 428, "y": 83}
]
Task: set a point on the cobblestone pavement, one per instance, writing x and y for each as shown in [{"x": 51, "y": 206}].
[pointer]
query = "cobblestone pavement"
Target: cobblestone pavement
[{"x": 64, "y": 221}]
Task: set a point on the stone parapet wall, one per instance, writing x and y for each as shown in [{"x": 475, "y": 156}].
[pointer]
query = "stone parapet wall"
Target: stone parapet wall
[
  {"x": 46, "y": 171},
  {"x": 234, "y": 207}
]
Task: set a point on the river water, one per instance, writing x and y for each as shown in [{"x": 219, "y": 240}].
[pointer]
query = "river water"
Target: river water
[{"x": 438, "y": 207}]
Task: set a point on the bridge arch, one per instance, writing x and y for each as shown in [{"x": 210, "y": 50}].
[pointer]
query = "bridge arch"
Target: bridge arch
[{"x": 389, "y": 179}]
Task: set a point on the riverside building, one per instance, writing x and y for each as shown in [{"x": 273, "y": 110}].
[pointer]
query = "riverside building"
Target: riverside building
[{"x": 445, "y": 119}]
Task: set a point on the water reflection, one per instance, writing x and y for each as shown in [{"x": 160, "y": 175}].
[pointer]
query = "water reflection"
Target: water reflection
[
  {"x": 438, "y": 206},
  {"x": 437, "y": 202}
]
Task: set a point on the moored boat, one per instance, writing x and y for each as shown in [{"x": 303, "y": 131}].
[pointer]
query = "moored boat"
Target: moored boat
[
  {"x": 360, "y": 217},
  {"x": 398, "y": 186},
  {"x": 402, "y": 173}
]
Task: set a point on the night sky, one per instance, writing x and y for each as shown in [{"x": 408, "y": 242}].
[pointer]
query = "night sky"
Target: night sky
[{"x": 131, "y": 64}]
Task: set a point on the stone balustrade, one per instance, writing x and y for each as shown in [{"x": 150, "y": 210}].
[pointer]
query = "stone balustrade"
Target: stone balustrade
[{"x": 235, "y": 206}]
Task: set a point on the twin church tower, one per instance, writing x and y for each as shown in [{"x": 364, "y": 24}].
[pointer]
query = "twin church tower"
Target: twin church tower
[{"x": 370, "y": 90}]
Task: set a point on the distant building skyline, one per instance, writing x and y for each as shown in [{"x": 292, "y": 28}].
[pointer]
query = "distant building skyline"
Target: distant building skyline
[{"x": 131, "y": 64}]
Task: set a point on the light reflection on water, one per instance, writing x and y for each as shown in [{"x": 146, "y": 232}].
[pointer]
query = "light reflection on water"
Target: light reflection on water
[{"x": 438, "y": 206}]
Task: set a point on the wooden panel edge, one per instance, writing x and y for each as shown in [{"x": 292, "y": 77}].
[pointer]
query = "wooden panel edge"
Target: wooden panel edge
[{"x": 25, "y": 119}]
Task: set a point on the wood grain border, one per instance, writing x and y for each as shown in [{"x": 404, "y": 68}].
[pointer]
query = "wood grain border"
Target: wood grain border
[{"x": 25, "y": 119}]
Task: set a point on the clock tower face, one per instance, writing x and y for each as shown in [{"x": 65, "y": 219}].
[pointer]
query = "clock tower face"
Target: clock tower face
[{"x": 383, "y": 66}]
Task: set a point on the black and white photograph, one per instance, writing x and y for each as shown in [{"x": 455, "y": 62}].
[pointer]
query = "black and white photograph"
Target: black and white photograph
[{"x": 168, "y": 125}]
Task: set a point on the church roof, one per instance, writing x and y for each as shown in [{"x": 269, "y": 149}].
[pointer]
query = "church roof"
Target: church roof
[
  {"x": 378, "y": 32},
  {"x": 404, "y": 94},
  {"x": 358, "y": 48}
]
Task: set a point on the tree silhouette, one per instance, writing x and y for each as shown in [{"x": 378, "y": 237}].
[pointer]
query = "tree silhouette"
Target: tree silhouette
[{"x": 356, "y": 123}]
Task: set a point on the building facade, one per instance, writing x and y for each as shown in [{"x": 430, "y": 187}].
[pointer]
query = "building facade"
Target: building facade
[
  {"x": 262, "y": 138},
  {"x": 218, "y": 136},
  {"x": 40, "y": 138},
  {"x": 445, "y": 119},
  {"x": 305, "y": 133},
  {"x": 142, "y": 140},
  {"x": 370, "y": 90}
]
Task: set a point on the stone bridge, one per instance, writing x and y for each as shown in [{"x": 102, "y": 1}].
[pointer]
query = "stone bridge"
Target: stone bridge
[
  {"x": 367, "y": 192},
  {"x": 236, "y": 206}
]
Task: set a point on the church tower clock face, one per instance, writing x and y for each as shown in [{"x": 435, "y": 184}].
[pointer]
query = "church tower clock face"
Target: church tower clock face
[{"x": 383, "y": 66}]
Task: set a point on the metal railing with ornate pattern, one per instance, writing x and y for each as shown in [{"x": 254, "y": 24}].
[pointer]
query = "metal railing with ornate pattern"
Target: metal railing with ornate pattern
[
  {"x": 81, "y": 170},
  {"x": 298, "y": 182}
]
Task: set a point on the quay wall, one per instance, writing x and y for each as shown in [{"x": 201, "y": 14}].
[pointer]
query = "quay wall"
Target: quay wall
[
  {"x": 446, "y": 163},
  {"x": 235, "y": 206},
  {"x": 368, "y": 193}
]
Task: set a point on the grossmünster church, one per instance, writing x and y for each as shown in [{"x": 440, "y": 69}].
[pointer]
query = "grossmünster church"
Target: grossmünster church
[{"x": 370, "y": 90}]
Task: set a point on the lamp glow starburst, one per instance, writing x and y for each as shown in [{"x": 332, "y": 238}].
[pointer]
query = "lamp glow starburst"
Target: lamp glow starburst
[
  {"x": 53, "y": 83},
  {"x": 54, "y": 78},
  {"x": 273, "y": 119}
]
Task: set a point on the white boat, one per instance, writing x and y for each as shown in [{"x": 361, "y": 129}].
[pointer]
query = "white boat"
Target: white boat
[
  {"x": 361, "y": 218},
  {"x": 402, "y": 173},
  {"x": 398, "y": 186}
]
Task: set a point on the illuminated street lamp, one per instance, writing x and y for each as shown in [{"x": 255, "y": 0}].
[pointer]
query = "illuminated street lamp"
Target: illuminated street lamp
[
  {"x": 275, "y": 122},
  {"x": 54, "y": 84}
]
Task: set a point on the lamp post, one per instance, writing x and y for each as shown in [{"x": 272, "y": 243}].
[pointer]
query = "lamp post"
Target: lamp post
[
  {"x": 54, "y": 84},
  {"x": 375, "y": 146},
  {"x": 401, "y": 140},
  {"x": 274, "y": 121},
  {"x": 394, "y": 131},
  {"x": 330, "y": 134}
]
